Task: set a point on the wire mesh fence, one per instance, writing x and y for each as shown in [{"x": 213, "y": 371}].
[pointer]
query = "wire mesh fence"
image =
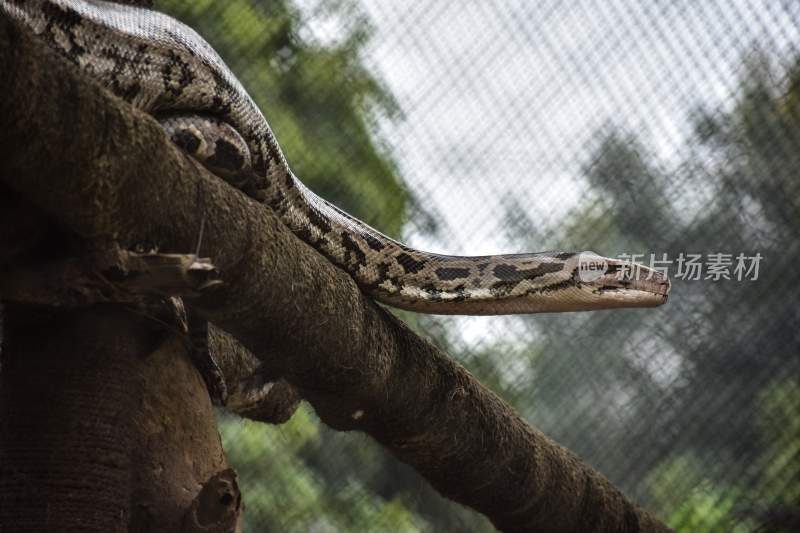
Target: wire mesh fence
[{"x": 666, "y": 132}]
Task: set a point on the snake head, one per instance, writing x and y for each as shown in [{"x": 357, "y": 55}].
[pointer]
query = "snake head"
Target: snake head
[{"x": 620, "y": 283}]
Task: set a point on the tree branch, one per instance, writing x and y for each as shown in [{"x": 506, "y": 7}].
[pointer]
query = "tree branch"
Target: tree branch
[
  {"x": 112, "y": 275},
  {"x": 108, "y": 173}
]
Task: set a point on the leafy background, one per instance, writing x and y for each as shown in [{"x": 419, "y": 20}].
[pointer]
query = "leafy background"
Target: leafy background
[{"x": 616, "y": 127}]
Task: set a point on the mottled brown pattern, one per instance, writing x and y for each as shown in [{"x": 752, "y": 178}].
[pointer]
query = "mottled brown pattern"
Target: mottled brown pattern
[{"x": 160, "y": 66}]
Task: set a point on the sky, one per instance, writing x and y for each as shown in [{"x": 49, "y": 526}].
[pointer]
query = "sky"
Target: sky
[{"x": 505, "y": 98}]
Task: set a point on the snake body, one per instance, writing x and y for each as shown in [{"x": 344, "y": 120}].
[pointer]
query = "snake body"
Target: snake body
[{"x": 163, "y": 67}]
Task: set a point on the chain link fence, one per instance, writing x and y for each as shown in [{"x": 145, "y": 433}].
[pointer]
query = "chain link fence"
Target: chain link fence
[{"x": 664, "y": 131}]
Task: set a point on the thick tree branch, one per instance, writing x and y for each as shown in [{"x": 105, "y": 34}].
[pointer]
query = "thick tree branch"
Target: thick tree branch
[
  {"x": 112, "y": 275},
  {"x": 107, "y": 173}
]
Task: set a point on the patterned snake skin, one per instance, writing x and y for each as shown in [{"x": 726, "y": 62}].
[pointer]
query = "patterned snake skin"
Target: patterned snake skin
[{"x": 166, "y": 69}]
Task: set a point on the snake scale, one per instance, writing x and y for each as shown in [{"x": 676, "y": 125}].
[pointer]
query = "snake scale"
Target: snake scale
[{"x": 166, "y": 69}]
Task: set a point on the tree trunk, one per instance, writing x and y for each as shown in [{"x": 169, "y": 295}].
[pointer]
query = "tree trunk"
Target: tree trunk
[{"x": 104, "y": 425}]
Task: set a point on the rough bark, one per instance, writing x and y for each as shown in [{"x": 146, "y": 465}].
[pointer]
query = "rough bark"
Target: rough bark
[
  {"x": 107, "y": 172},
  {"x": 72, "y": 277},
  {"x": 104, "y": 424}
]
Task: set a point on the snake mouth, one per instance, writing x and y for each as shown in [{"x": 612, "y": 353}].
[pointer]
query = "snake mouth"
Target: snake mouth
[
  {"x": 636, "y": 284},
  {"x": 622, "y": 275}
]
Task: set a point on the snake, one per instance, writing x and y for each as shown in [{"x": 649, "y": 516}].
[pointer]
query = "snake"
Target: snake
[{"x": 166, "y": 69}]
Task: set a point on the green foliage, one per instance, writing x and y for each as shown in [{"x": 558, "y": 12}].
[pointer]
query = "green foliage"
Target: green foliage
[
  {"x": 282, "y": 493},
  {"x": 689, "y": 501},
  {"x": 708, "y": 509},
  {"x": 779, "y": 423},
  {"x": 319, "y": 99}
]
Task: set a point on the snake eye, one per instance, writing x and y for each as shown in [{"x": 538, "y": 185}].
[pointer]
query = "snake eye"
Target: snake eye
[{"x": 186, "y": 140}]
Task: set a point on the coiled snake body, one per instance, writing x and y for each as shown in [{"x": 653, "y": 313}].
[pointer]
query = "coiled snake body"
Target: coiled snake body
[{"x": 166, "y": 69}]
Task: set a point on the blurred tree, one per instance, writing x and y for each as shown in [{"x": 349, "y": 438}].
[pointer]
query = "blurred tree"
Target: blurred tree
[{"x": 688, "y": 395}]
